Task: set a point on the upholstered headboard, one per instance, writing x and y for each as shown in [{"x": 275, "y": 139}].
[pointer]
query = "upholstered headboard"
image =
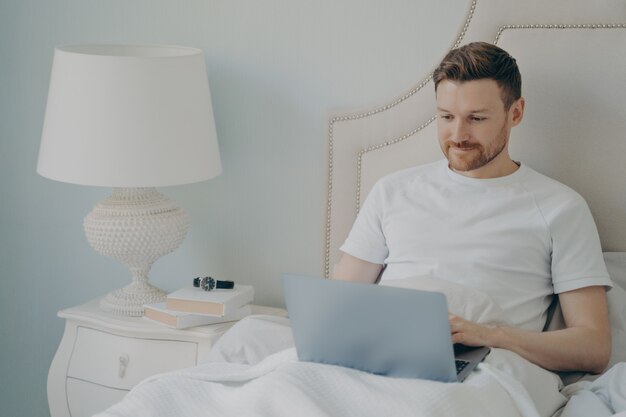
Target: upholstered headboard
[{"x": 572, "y": 56}]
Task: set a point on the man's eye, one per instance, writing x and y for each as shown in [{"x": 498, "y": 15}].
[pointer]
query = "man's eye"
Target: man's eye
[
  {"x": 445, "y": 116},
  {"x": 477, "y": 118}
]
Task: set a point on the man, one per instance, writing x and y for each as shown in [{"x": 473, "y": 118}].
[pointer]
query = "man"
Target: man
[{"x": 490, "y": 223}]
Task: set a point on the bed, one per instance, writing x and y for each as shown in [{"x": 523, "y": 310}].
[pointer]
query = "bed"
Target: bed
[{"x": 572, "y": 55}]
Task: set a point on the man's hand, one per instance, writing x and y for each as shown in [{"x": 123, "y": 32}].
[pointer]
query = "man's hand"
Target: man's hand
[{"x": 469, "y": 333}]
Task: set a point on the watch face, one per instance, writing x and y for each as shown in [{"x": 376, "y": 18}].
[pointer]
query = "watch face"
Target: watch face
[{"x": 206, "y": 283}]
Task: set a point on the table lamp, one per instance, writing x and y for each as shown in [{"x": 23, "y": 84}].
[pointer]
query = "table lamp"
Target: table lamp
[{"x": 130, "y": 117}]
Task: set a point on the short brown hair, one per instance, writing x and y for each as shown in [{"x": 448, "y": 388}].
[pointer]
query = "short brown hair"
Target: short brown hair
[{"x": 480, "y": 60}]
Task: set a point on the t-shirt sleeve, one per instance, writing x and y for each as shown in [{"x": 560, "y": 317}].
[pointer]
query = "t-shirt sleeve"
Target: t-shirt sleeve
[
  {"x": 577, "y": 260},
  {"x": 366, "y": 239}
]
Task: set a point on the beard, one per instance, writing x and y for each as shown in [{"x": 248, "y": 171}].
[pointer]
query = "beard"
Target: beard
[{"x": 475, "y": 155}]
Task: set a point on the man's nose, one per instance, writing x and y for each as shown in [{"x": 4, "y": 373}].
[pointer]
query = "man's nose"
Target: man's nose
[{"x": 460, "y": 132}]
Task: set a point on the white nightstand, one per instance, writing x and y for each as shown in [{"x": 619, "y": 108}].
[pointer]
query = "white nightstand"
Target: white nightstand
[{"x": 102, "y": 356}]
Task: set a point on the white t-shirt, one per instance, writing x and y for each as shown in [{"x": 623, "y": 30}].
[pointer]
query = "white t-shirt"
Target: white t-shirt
[{"x": 519, "y": 238}]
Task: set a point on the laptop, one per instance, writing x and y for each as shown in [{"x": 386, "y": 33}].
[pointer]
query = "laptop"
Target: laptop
[{"x": 389, "y": 331}]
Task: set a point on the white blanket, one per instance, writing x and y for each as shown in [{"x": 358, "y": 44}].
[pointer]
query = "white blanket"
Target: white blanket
[
  {"x": 280, "y": 385},
  {"x": 253, "y": 371}
]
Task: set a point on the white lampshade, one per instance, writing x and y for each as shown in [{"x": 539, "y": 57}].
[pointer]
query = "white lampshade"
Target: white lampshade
[
  {"x": 132, "y": 117},
  {"x": 129, "y": 116}
]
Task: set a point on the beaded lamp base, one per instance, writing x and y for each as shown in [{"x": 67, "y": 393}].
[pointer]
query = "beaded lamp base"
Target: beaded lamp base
[
  {"x": 129, "y": 300},
  {"x": 135, "y": 226}
]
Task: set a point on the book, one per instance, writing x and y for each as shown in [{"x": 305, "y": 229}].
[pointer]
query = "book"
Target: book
[
  {"x": 181, "y": 320},
  {"x": 219, "y": 302}
]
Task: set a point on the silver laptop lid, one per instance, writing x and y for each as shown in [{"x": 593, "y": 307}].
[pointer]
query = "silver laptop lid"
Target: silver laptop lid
[{"x": 384, "y": 330}]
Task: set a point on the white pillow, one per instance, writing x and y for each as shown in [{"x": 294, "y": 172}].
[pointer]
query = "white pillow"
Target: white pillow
[
  {"x": 252, "y": 339},
  {"x": 467, "y": 303}
]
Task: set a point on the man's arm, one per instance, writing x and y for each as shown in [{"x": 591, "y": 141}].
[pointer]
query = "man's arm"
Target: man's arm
[
  {"x": 584, "y": 345},
  {"x": 351, "y": 268}
]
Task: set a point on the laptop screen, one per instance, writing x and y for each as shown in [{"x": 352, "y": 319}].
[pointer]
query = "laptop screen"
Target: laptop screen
[{"x": 383, "y": 330}]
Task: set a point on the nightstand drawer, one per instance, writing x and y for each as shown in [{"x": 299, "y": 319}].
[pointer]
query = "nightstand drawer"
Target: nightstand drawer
[{"x": 121, "y": 362}]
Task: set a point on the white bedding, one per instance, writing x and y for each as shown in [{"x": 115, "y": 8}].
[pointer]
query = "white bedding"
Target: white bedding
[
  {"x": 244, "y": 378},
  {"x": 253, "y": 371},
  {"x": 280, "y": 385}
]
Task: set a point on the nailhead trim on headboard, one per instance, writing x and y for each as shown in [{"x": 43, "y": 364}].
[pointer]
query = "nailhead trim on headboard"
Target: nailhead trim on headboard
[{"x": 552, "y": 26}]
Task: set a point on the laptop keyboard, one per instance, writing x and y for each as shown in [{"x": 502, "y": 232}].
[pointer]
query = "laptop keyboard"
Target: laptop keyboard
[{"x": 460, "y": 365}]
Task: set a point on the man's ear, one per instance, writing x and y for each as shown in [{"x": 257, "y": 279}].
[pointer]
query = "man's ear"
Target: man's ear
[{"x": 516, "y": 112}]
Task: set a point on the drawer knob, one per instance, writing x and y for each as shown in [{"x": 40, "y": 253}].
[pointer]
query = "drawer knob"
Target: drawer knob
[{"x": 124, "y": 359}]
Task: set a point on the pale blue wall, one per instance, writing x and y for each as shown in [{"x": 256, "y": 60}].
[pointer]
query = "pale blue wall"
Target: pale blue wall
[{"x": 276, "y": 68}]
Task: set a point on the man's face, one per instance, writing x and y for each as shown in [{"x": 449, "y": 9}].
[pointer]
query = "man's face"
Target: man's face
[{"x": 474, "y": 127}]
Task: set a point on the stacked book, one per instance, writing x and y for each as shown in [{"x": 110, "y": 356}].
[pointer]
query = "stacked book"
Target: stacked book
[{"x": 191, "y": 306}]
